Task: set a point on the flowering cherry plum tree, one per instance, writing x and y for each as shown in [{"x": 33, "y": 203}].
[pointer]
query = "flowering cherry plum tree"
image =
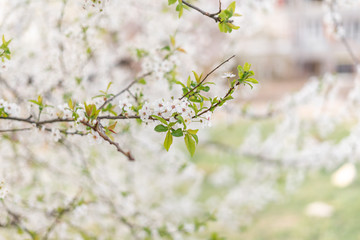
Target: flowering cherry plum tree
[
  {"x": 93, "y": 71},
  {"x": 174, "y": 116}
]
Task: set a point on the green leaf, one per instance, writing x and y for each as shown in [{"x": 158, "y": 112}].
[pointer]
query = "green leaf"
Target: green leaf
[
  {"x": 180, "y": 8},
  {"x": 167, "y": 48},
  {"x": 190, "y": 144},
  {"x": 168, "y": 141},
  {"x": 142, "y": 81},
  {"x": 71, "y": 104},
  {"x": 197, "y": 78},
  {"x": 209, "y": 83},
  {"x": 180, "y": 83},
  {"x": 161, "y": 128},
  {"x": 231, "y": 7},
  {"x": 252, "y": 80},
  {"x": 195, "y": 138},
  {"x": 177, "y": 133},
  {"x": 160, "y": 119},
  {"x": 108, "y": 86},
  {"x": 249, "y": 84},
  {"x": 188, "y": 82},
  {"x": 247, "y": 67},
  {"x": 228, "y": 98},
  {"x": 97, "y": 96},
  {"x": 172, "y": 1},
  {"x": 40, "y": 99},
  {"x": 233, "y": 26},
  {"x": 193, "y": 131},
  {"x": 33, "y": 101},
  {"x": 172, "y": 41},
  {"x": 206, "y": 89}
]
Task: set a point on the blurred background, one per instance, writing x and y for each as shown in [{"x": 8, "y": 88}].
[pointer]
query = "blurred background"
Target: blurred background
[
  {"x": 293, "y": 43},
  {"x": 279, "y": 162}
]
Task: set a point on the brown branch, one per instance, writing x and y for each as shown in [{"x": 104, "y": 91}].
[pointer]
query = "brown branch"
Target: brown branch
[
  {"x": 212, "y": 71},
  {"x": 14, "y": 130},
  {"x": 119, "y": 117},
  {"x": 97, "y": 129},
  {"x": 219, "y": 102},
  {"x": 28, "y": 120},
  {"x": 343, "y": 39},
  {"x": 210, "y": 15}
]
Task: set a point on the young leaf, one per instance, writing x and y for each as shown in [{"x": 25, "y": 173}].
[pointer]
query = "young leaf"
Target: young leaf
[
  {"x": 108, "y": 86},
  {"x": 231, "y": 7},
  {"x": 247, "y": 67},
  {"x": 191, "y": 131},
  {"x": 168, "y": 141},
  {"x": 190, "y": 144},
  {"x": 252, "y": 80},
  {"x": 172, "y": 40},
  {"x": 160, "y": 119},
  {"x": 188, "y": 82},
  {"x": 196, "y": 138},
  {"x": 181, "y": 50},
  {"x": 142, "y": 81},
  {"x": 197, "y": 78},
  {"x": 71, "y": 104}
]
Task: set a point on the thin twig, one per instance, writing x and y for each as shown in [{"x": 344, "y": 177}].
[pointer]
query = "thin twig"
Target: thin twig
[
  {"x": 343, "y": 39},
  {"x": 218, "y": 103},
  {"x": 210, "y": 15},
  {"x": 28, "y": 120},
  {"x": 14, "y": 130},
  {"x": 212, "y": 71},
  {"x": 107, "y": 139},
  {"x": 124, "y": 90}
]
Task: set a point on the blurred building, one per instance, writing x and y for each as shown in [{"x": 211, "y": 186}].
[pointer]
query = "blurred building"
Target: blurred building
[{"x": 295, "y": 44}]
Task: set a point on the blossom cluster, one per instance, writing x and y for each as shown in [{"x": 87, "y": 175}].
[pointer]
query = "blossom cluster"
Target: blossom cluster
[
  {"x": 167, "y": 110},
  {"x": 333, "y": 21},
  {"x": 7, "y": 108}
]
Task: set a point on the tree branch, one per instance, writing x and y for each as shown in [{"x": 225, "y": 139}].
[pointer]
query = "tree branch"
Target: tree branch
[
  {"x": 212, "y": 71},
  {"x": 343, "y": 39},
  {"x": 97, "y": 129},
  {"x": 210, "y": 15},
  {"x": 218, "y": 103},
  {"x": 124, "y": 90}
]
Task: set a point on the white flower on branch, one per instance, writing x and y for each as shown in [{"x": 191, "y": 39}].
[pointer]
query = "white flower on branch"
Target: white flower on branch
[
  {"x": 228, "y": 75},
  {"x": 125, "y": 105},
  {"x": 10, "y": 108}
]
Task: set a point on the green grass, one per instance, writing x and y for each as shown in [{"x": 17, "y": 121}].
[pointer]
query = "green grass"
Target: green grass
[{"x": 286, "y": 219}]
